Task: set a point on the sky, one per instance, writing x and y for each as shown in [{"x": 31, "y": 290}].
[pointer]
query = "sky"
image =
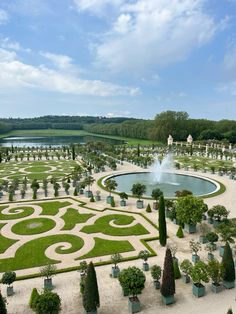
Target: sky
[{"x": 133, "y": 58}]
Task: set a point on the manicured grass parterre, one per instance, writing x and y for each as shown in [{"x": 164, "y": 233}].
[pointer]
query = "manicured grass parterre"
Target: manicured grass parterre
[
  {"x": 16, "y": 212},
  {"x": 102, "y": 225},
  {"x": 33, "y": 226},
  {"x": 73, "y": 217},
  {"x": 5, "y": 243},
  {"x": 32, "y": 254},
  {"x": 107, "y": 247},
  {"x": 52, "y": 208}
]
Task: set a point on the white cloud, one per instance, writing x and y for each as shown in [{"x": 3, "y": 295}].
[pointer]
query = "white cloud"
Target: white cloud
[
  {"x": 4, "y": 17},
  {"x": 60, "y": 61},
  {"x": 151, "y": 33},
  {"x": 14, "y": 73},
  {"x": 229, "y": 88},
  {"x": 118, "y": 114},
  {"x": 7, "y": 43},
  {"x": 96, "y": 6}
]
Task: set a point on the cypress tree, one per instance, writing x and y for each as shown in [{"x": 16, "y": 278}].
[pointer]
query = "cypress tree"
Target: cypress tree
[
  {"x": 228, "y": 264},
  {"x": 176, "y": 269},
  {"x": 3, "y": 309},
  {"x": 91, "y": 295},
  {"x": 33, "y": 299},
  {"x": 230, "y": 311},
  {"x": 168, "y": 277},
  {"x": 162, "y": 222}
]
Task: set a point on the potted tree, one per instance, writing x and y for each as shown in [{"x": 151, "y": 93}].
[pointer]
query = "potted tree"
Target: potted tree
[
  {"x": 212, "y": 238},
  {"x": 195, "y": 247},
  {"x": 88, "y": 181},
  {"x": 156, "y": 275},
  {"x": 199, "y": 274},
  {"x": 168, "y": 279},
  {"x": 216, "y": 273},
  {"x": 98, "y": 196},
  {"x": 144, "y": 255},
  {"x": 7, "y": 279},
  {"x": 227, "y": 231},
  {"x": 116, "y": 258},
  {"x": 204, "y": 229},
  {"x": 123, "y": 198},
  {"x": 229, "y": 270},
  {"x": 47, "y": 271},
  {"x": 186, "y": 267},
  {"x": 132, "y": 280},
  {"x": 209, "y": 248},
  {"x": 91, "y": 300},
  {"x": 110, "y": 185},
  {"x": 156, "y": 193},
  {"x": 218, "y": 213},
  {"x": 189, "y": 210},
  {"x": 138, "y": 190}
]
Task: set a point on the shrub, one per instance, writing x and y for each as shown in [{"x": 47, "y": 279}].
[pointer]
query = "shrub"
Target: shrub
[
  {"x": 156, "y": 272},
  {"x": 144, "y": 255},
  {"x": 92, "y": 200},
  {"x": 199, "y": 273},
  {"x": 3, "y": 309},
  {"x": 116, "y": 258},
  {"x": 48, "y": 303},
  {"x": 177, "y": 273},
  {"x": 228, "y": 264},
  {"x": 162, "y": 222},
  {"x": 168, "y": 279},
  {"x": 215, "y": 271},
  {"x": 91, "y": 295},
  {"x": 186, "y": 266},
  {"x": 33, "y": 299},
  {"x": 180, "y": 233},
  {"x": 48, "y": 270},
  {"x": 195, "y": 246},
  {"x": 8, "y": 277},
  {"x": 212, "y": 237},
  {"x": 148, "y": 208},
  {"x": 132, "y": 280},
  {"x": 113, "y": 204},
  {"x": 75, "y": 192}
]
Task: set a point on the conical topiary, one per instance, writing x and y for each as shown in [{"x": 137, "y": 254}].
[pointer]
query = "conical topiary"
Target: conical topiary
[
  {"x": 162, "y": 222},
  {"x": 3, "y": 309},
  {"x": 33, "y": 299},
  {"x": 176, "y": 269},
  {"x": 168, "y": 277},
  {"x": 91, "y": 295},
  {"x": 180, "y": 233},
  {"x": 228, "y": 264},
  {"x": 148, "y": 208}
]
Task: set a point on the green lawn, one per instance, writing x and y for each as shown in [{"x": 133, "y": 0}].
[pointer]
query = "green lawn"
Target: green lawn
[
  {"x": 107, "y": 247},
  {"x": 15, "y": 214},
  {"x": 102, "y": 225},
  {"x": 32, "y": 254},
  {"x": 52, "y": 208},
  {"x": 33, "y": 226},
  {"x": 5, "y": 243},
  {"x": 73, "y": 217}
]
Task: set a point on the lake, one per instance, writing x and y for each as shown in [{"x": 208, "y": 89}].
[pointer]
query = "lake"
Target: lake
[{"x": 30, "y": 141}]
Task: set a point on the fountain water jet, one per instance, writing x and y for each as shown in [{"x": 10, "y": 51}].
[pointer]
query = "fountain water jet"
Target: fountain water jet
[{"x": 161, "y": 167}]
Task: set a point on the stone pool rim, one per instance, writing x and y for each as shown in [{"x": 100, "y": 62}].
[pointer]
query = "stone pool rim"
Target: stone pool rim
[{"x": 211, "y": 194}]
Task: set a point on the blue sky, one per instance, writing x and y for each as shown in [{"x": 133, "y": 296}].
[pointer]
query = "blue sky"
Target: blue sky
[{"x": 131, "y": 58}]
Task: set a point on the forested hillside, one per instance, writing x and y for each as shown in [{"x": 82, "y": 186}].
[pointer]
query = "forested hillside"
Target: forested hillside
[{"x": 178, "y": 124}]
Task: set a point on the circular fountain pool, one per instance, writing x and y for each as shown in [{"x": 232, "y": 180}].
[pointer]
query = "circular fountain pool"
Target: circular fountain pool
[{"x": 170, "y": 183}]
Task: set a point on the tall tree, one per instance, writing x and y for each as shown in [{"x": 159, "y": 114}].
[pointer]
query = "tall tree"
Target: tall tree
[
  {"x": 228, "y": 264},
  {"x": 3, "y": 309},
  {"x": 168, "y": 277},
  {"x": 91, "y": 295},
  {"x": 162, "y": 222}
]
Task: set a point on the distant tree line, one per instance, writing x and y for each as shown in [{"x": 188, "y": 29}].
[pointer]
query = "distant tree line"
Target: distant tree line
[{"x": 178, "y": 124}]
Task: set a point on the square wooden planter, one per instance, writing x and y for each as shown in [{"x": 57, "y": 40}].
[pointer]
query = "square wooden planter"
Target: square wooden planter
[
  {"x": 229, "y": 284},
  {"x": 195, "y": 258},
  {"x": 139, "y": 204},
  {"x": 109, "y": 199},
  {"x": 186, "y": 279},
  {"x": 10, "y": 291},
  {"x": 198, "y": 290},
  {"x": 115, "y": 272},
  {"x": 190, "y": 228},
  {"x": 216, "y": 288},
  {"x": 168, "y": 300},
  {"x": 145, "y": 266},
  {"x": 134, "y": 305},
  {"x": 48, "y": 284}
]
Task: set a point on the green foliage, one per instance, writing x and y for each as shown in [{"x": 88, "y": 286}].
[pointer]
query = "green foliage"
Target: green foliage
[
  {"x": 195, "y": 246},
  {"x": 73, "y": 217},
  {"x": 186, "y": 266},
  {"x": 8, "y": 277},
  {"x": 48, "y": 303},
  {"x": 212, "y": 237},
  {"x": 113, "y": 204},
  {"x": 144, "y": 255},
  {"x": 116, "y": 258},
  {"x": 3, "y": 308},
  {"x": 75, "y": 193},
  {"x": 168, "y": 277},
  {"x": 177, "y": 273},
  {"x": 189, "y": 209},
  {"x": 183, "y": 193},
  {"x": 48, "y": 270},
  {"x": 156, "y": 194},
  {"x": 123, "y": 196},
  {"x": 132, "y": 280},
  {"x": 215, "y": 271},
  {"x": 33, "y": 299},
  {"x": 91, "y": 295},
  {"x": 92, "y": 200},
  {"x": 138, "y": 189},
  {"x": 199, "y": 272},
  {"x": 227, "y": 231},
  {"x": 180, "y": 233},
  {"x": 148, "y": 208},
  {"x": 218, "y": 212},
  {"x": 111, "y": 185},
  {"x": 228, "y": 264},
  {"x": 162, "y": 222},
  {"x": 156, "y": 272}
]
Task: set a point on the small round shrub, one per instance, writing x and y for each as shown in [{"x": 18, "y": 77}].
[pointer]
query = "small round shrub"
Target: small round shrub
[{"x": 180, "y": 233}]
